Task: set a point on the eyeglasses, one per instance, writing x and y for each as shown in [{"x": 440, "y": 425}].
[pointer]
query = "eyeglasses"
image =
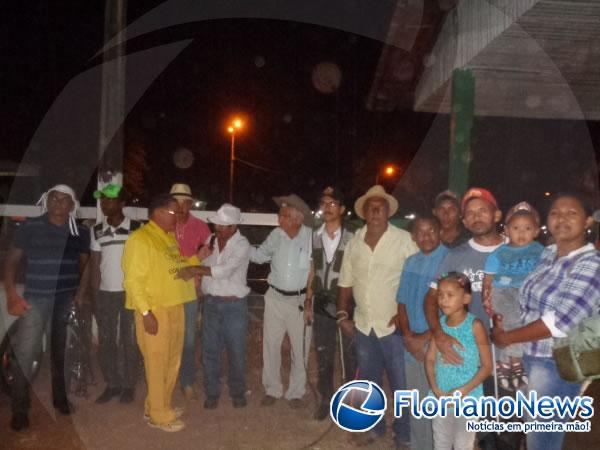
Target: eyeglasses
[{"x": 170, "y": 212}]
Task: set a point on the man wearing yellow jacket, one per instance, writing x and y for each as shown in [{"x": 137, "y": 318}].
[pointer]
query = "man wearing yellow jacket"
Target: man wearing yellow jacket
[{"x": 151, "y": 260}]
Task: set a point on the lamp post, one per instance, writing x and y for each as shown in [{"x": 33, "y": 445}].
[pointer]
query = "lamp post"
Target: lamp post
[
  {"x": 236, "y": 125},
  {"x": 388, "y": 171}
]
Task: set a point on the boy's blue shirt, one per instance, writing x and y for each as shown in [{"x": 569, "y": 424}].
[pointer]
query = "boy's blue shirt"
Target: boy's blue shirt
[
  {"x": 511, "y": 265},
  {"x": 419, "y": 270}
]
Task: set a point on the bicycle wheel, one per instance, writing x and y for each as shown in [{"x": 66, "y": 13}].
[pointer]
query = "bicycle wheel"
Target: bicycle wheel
[{"x": 8, "y": 361}]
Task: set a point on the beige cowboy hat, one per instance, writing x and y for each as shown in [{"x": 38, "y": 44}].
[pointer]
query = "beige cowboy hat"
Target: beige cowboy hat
[
  {"x": 181, "y": 191},
  {"x": 293, "y": 201},
  {"x": 375, "y": 191}
]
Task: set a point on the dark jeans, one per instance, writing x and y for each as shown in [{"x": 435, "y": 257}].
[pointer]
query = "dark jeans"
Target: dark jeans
[
  {"x": 27, "y": 341},
  {"x": 376, "y": 355},
  {"x": 324, "y": 332},
  {"x": 118, "y": 352},
  {"x": 224, "y": 325},
  {"x": 187, "y": 372}
]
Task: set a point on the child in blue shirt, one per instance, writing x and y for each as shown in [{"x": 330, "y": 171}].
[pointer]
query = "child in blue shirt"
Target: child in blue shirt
[
  {"x": 454, "y": 294},
  {"x": 505, "y": 270}
]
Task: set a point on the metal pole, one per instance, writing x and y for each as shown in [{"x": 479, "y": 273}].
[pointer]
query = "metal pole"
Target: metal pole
[
  {"x": 231, "y": 167},
  {"x": 461, "y": 127},
  {"x": 112, "y": 101}
]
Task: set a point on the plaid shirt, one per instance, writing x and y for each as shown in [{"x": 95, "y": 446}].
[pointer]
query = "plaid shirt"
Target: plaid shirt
[{"x": 568, "y": 286}]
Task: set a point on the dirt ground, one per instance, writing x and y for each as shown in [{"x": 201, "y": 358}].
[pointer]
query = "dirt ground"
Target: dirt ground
[{"x": 117, "y": 426}]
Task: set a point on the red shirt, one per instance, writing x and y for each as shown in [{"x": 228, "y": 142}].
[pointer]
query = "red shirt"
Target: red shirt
[{"x": 191, "y": 235}]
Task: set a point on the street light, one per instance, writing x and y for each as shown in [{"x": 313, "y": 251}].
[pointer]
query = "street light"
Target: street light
[
  {"x": 236, "y": 124},
  {"x": 388, "y": 171}
]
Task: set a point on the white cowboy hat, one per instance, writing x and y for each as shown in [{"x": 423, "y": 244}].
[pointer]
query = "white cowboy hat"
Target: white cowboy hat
[
  {"x": 226, "y": 215},
  {"x": 375, "y": 191}
]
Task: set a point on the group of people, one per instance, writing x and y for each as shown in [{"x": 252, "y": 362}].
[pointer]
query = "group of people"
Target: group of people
[{"x": 416, "y": 305}]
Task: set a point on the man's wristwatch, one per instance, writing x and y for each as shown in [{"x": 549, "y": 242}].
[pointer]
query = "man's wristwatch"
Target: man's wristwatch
[{"x": 145, "y": 313}]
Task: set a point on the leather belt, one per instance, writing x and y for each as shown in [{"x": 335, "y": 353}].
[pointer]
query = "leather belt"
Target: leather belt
[{"x": 289, "y": 293}]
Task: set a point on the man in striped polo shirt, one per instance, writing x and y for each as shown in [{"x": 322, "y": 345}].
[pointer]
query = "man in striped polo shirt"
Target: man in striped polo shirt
[
  {"x": 114, "y": 321},
  {"x": 56, "y": 250}
]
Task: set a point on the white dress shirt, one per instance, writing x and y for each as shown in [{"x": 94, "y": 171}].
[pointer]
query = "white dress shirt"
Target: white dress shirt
[
  {"x": 330, "y": 244},
  {"x": 229, "y": 268}
]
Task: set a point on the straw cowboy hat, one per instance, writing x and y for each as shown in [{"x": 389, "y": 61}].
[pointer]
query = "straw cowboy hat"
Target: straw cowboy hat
[
  {"x": 375, "y": 191},
  {"x": 181, "y": 191},
  {"x": 293, "y": 201}
]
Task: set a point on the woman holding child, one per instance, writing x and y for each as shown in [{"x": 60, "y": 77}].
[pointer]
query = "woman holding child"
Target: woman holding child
[{"x": 563, "y": 290}]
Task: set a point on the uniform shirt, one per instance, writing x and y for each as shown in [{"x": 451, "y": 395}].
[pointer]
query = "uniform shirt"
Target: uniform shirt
[
  {"x": 229, "y": 268},
  {"x": 562, "y": 292},
  {"x": 510, "y": 265},
  {"x": 418, "y": 271},
  {"x": 109, "y": 241},
  {"x": 52, "y": 255},
  {"x": 374, "y": 277},
  {"x": 191, "y": 235},
  {"x": 290, "y": 258},
  {"x": 150, "y": 262}
]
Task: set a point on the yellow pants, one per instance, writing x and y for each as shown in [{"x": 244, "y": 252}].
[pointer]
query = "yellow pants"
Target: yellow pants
[{"x": 162, "y": 358}]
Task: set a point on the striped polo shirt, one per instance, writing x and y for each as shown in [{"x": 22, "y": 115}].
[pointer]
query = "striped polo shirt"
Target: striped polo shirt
[
  {"x": 52, "y": 256},
  {"x": 110, "y": 242}
]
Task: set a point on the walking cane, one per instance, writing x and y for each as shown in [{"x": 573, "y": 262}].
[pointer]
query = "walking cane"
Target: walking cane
[
  {"x": 494, "y": 364},
  {"x": 342, "y": 362},
  {"x": 495, "y": 372}
]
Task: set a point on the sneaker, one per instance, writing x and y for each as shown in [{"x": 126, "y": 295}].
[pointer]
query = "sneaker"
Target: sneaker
[
  {"x": 239, "y": 402},
  {"x": 171, "y": 427},
  {"x": 190, "y": 394},
  {"x": 178, "y": 410},
  {"x": 211, "y": 402},
  {"x": 19, "y": 421},
  {"x": 108, "y": 394},
  {"x": 503, "y": 374},
  {"x": 518, "y": 377},
  {"x": 268, "y": 400},
  {"x": 127, "y": 396}
]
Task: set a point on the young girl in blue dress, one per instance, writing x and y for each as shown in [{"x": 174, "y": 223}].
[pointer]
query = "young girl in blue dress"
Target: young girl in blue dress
[{"x": 454, "y": 294}]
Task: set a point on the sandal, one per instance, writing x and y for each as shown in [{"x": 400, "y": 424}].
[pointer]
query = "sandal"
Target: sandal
[
  {"x": 518, "y": 378},
  {"x": 503, "y": 373}
]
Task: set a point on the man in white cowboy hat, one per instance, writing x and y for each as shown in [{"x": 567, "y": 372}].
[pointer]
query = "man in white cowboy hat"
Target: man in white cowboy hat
[
  {"x": 56, "y": 250},
  {"x": 370, "y": 272},
  {"x": 225, "y": 317},
  {"x": 288, "y": 249},
  {"x": 190, "y": 233}
]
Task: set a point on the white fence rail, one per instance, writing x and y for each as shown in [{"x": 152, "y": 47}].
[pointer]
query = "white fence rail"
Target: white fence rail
[{"x": 89, "y": 212}]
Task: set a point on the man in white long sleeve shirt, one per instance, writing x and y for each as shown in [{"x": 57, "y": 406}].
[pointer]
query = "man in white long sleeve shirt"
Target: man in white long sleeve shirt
[{"x": 225, "y": 318}]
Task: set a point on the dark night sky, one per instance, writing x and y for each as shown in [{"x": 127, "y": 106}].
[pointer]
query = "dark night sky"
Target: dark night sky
[
  {"x": 261, "y": 69},
  {"x": 255, "y": 67}
]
